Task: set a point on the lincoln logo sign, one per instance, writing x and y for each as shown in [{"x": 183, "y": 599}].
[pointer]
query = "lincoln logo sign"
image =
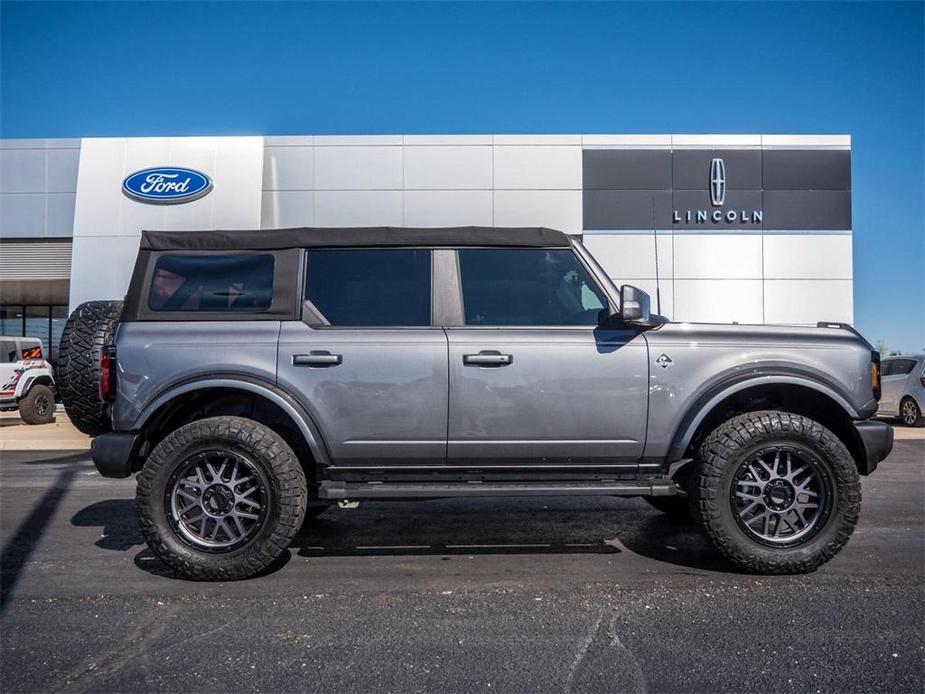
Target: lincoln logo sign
[
  {"x": 717, "y": 182},
  {"x": 718, "y": 199},
  {"x": 166, "y": 185}
]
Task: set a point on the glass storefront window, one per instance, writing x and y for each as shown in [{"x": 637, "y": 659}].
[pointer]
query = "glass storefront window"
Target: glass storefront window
[
  {"x": 11, "y": 321},
  {"x": 38, "y": 325}
]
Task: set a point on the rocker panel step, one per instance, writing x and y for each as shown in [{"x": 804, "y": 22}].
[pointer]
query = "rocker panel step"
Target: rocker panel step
[{"x": 332, "y": 489}]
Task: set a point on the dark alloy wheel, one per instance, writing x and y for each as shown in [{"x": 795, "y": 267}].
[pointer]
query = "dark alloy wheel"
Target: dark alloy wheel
[
  {"x": 781, "y": 495},
  {"x": 910, "y": 413},
  {"x": 217, "y": 500},
  {"x": 777, "y": 492},
  {"x": 43, "y": 404},
  {"x": 221, "y": 498}
]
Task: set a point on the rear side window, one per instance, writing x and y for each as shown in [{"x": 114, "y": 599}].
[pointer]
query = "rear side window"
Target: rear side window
[
  {"x": 528, "y": 287},
  {"x": 368, "y": 288},
  {"x": 901, "y": 367},
  {"x": 212, "y": 283}
]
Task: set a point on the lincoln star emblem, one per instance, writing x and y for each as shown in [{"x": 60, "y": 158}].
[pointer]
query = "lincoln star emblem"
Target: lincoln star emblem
[
  {"x": 717, "y": 182},
  {"x": 664, "y": 361}
]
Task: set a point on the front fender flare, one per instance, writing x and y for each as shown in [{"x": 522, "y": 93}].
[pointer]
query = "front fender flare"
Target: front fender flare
[{"x": 705, "y": 404}]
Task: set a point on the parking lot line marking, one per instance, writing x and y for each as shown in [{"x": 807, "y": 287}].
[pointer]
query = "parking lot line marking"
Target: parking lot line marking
[
  {"x": 492, "y": 546},
  {"x": 392, "y": 547}
]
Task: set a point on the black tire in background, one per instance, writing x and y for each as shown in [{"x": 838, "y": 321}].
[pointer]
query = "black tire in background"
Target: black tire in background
[
  {"x": 267, "y": 458},
  {"x": 738, "y": 443},
  {"x": 77, "y": 373},
  {"x": 38, "y": 405}
]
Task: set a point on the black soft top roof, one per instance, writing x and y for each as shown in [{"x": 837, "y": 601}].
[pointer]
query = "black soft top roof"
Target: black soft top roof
[{"x": 326, "y": 237}]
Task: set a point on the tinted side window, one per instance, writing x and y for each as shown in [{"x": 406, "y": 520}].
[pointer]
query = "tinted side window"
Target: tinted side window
[
  {"x": 8, "y": 352},
  {"x": 886, "y": 367},
  {"x": 215, "y": 283},
  {"x": 366, "y": 288},
  {"x": 530, "y": 286},
  {"x": 903, "y": 366}
]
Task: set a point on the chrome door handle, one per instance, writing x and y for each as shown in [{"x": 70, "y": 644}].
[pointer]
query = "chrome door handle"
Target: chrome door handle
[
  {"x": 317, "y": 359},
  {"x": 486, "y": 358}
]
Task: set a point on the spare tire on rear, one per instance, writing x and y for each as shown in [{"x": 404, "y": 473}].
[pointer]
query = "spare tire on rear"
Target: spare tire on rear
[{"x": 77, "y": 373}]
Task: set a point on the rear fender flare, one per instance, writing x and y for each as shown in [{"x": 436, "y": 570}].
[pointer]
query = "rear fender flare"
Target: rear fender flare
[{"x": 303, "y": 421}]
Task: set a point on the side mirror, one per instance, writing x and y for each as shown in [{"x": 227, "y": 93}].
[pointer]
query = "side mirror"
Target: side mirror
[{"x": 634, "y": 305}]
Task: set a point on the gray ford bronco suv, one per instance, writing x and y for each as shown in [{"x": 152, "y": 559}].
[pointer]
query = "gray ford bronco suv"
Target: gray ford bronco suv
[{"x": 253, "y": 378}]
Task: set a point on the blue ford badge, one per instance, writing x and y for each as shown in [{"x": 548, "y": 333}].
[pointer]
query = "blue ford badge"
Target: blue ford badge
[{"x": 166, "y": 185}]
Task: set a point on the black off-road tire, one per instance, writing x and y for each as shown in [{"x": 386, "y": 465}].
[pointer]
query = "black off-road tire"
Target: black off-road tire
[
  {"x": 38, "y": 405},
  {"x": 77, "y": 373},
  {"x": 287, "y": 497},
  {"x": 732, "y": 443},
  {"x": 915, "y": 419}
]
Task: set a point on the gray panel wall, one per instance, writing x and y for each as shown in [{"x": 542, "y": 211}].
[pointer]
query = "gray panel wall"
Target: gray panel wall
[{"x": 38, "y": 184}]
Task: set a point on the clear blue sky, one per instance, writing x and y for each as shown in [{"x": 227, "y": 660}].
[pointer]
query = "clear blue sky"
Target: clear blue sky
[{"x": 71, "y": 70}]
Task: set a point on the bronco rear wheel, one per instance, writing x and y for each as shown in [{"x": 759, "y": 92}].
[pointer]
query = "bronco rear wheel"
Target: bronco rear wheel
[
  {"x": 221, "y": 498},
  {"x": 778, "y": 493}
]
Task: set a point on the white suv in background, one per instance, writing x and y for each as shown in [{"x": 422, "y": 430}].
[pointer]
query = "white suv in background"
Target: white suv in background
[
  {"x": 903, "y": 392},
  {"x": 26, "y": 381}
]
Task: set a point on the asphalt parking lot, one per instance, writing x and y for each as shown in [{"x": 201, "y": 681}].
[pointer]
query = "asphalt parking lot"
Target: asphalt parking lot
[{"x": 459, "y": 595}]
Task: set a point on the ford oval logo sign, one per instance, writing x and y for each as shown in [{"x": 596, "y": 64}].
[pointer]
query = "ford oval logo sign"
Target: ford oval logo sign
[{"x": 166, "y": 185}]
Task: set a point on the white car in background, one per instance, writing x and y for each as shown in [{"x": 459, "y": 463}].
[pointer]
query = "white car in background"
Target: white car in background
[
  {"x": 903, "y": 389},
  {"x": 26, "y": 381}
]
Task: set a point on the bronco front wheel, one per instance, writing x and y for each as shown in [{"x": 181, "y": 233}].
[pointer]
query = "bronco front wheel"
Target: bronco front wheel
[
  {"x": 778, "y": 492},
  {"x": 221, "y": 498}
]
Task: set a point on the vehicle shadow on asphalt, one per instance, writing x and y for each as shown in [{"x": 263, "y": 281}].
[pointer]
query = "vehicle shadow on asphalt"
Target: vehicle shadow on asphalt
[
  {"x": 649, "y": 534},
  {"x": 449, "y": 529},
  {"x": 117, "y": 521},
  {"x": 19, "y": 547},
  {"x": 53, "y": 458}
]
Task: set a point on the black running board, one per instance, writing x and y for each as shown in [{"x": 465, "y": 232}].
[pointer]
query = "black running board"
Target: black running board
[{"x": 332, "y": 489}]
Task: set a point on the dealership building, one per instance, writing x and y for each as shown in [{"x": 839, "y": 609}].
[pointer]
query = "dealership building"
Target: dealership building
[{"x": 744, "y": 228}]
